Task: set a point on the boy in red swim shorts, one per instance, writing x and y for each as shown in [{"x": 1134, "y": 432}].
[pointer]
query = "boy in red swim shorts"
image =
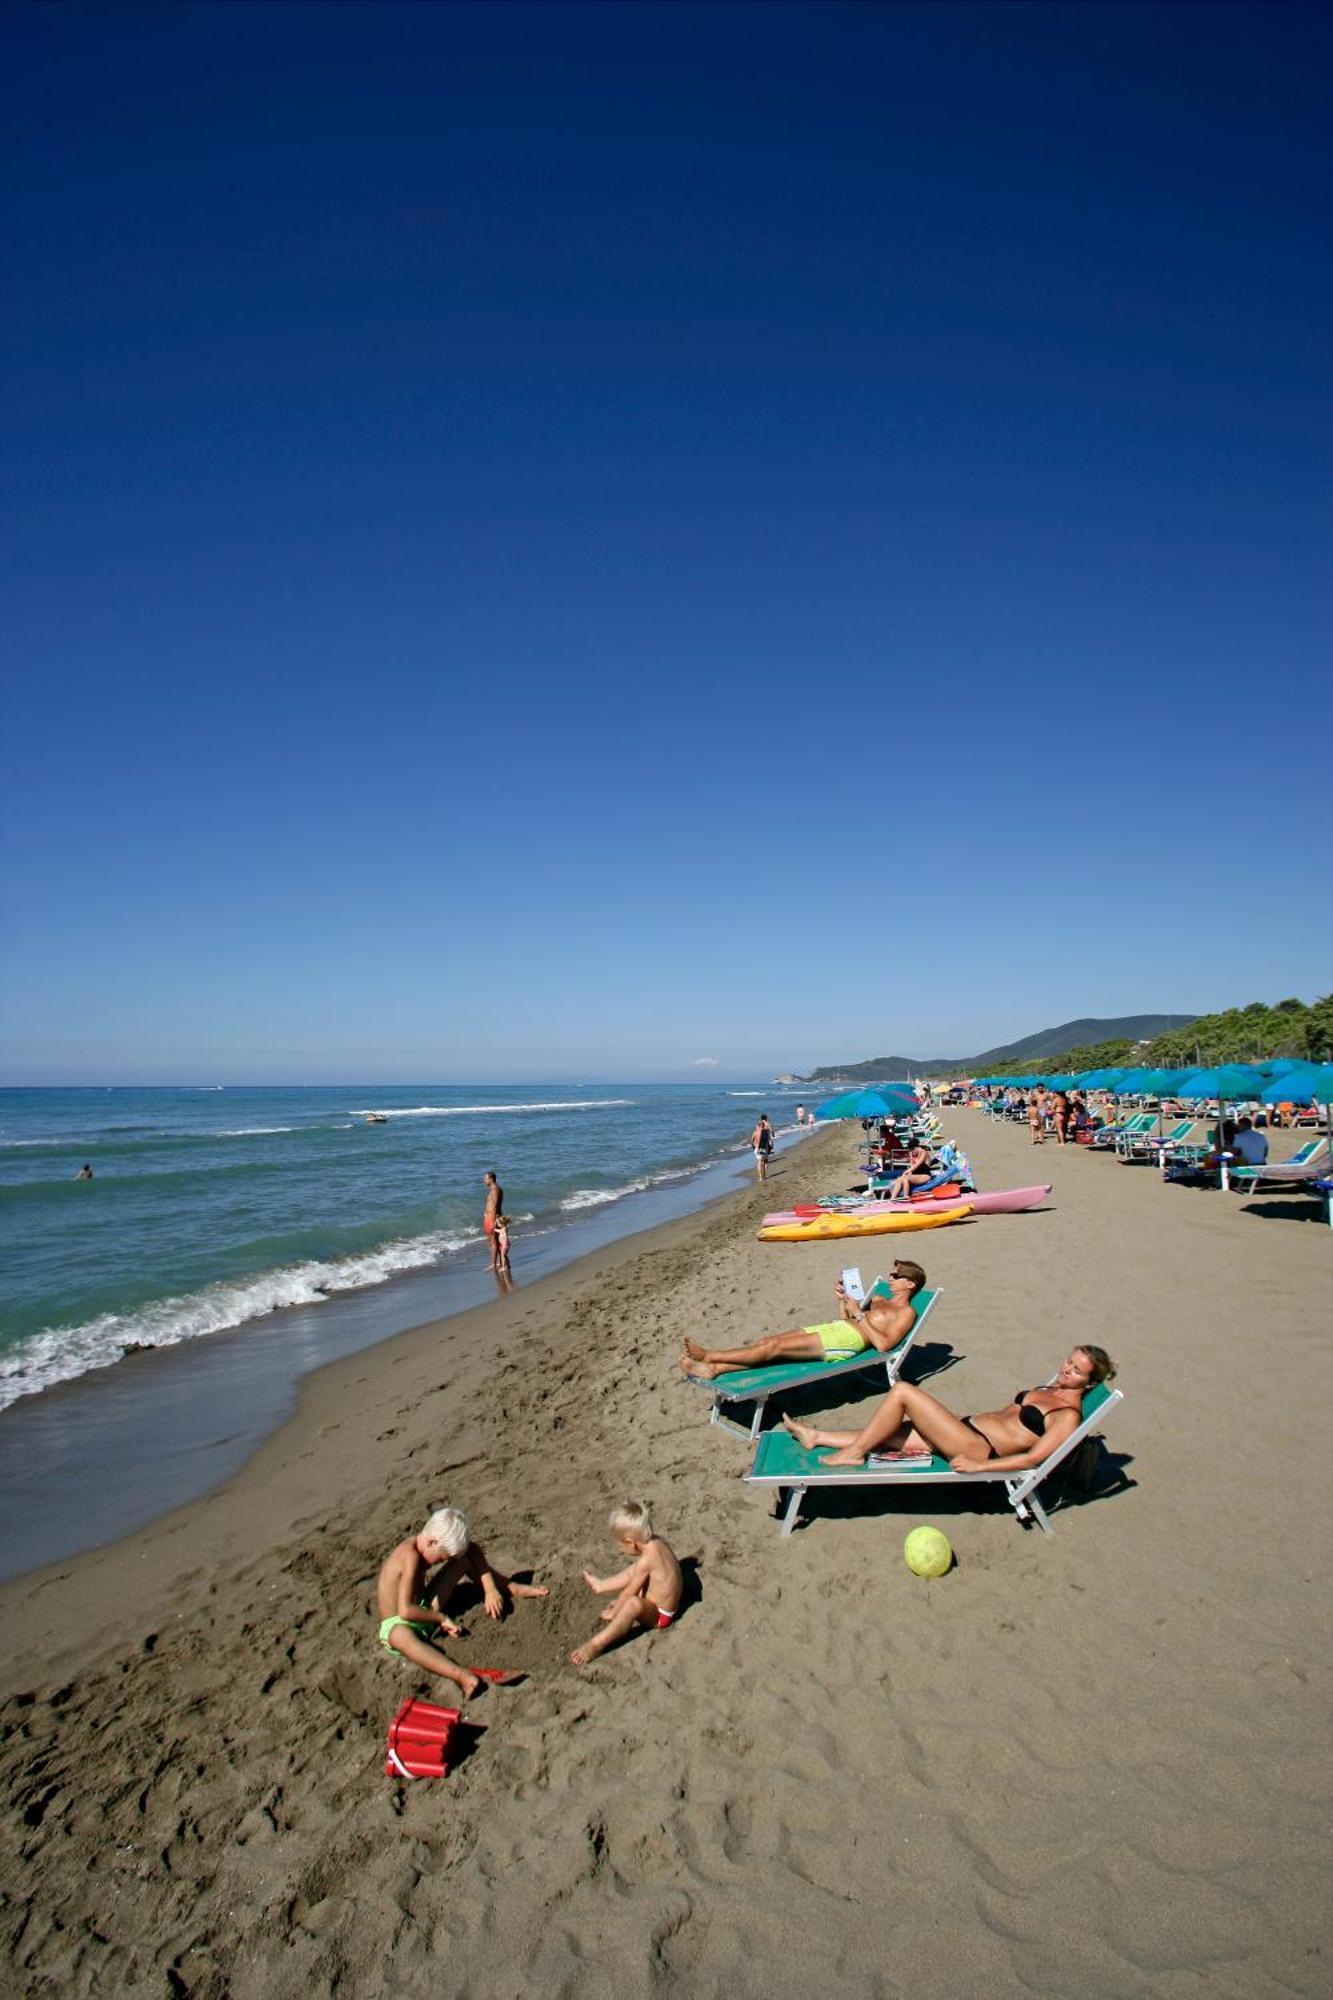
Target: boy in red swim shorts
[{"x": 650, "y": 1589}]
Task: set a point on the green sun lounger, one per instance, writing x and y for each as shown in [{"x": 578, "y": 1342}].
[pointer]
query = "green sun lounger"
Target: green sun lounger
[
  {"x": 1152, "y": 1143},
  {"x": 1305, "y": 1165},
  {"x": 1111, "y": 1135},
  {"x": 757, "y": 1385},
  {"x": 780, "y": 1462}
]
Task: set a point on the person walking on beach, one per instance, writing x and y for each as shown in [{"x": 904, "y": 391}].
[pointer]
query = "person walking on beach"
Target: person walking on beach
[
  {"x": 495, "y": 1201},
  {"x": 761, "y": 1139}
]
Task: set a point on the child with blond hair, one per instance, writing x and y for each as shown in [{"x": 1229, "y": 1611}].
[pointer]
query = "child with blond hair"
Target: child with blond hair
[
  {"x": 411, "y": 1602},
  {"x": 650, "y": 1587}
]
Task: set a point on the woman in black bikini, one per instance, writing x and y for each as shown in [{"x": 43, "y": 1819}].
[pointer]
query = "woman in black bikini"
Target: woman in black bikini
[
  {"x": 910, "y": 1422},
  {"x": 920, "y": 1168}
]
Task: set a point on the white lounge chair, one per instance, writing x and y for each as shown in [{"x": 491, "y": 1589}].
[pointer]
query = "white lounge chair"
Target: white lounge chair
[
  {"x": 779, "y": 1461},
  {"x": 1306, "y": 1165},
  {"x": 1152, "y": 1144},
  {"x": 1111, "y": 1135},
  {"x": 757, "y": 1385}
]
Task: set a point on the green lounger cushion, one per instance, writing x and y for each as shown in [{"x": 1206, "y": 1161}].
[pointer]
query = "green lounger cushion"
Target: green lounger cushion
[{"x": 780, "y": 1459}]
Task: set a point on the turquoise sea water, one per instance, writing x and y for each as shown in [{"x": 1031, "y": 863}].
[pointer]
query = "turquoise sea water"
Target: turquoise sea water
[{"x": 210, "y": 1208}]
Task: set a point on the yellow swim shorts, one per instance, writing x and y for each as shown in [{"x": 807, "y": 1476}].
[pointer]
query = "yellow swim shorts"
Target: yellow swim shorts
[{"x": 839, "y": 1340}]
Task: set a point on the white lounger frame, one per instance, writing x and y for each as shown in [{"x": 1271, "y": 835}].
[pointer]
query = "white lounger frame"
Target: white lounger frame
[
  {"x": 891, "y": 1363},
  {"x": 1020, "y": 1487}
]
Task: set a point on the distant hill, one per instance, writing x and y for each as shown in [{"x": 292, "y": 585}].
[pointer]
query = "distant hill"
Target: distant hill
[
  {"x": 1046, "y": 1043},
  {"x": 1073, "y": 1035}
]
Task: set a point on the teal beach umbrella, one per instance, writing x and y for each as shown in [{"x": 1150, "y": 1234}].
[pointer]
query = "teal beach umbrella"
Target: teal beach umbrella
[
  {"x": 1131, "y": 1083},
  {"x": 1232, "y": 1083},
  {"x": 1308, "y": 1083},
  {"x": 887, "y": 1103}
]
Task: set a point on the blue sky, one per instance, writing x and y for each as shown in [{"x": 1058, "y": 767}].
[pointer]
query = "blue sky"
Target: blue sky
[{"x": 571, "y": 540}]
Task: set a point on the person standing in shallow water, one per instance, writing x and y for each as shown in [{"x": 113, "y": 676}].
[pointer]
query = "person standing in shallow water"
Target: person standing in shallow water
[
  {"x": 495, "y": 1201},
  {"x": 85, "y": 1172}
]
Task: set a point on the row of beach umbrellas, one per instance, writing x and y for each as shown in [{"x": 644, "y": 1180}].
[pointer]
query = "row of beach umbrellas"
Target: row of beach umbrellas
[{"x": 1285, "y": 1081}]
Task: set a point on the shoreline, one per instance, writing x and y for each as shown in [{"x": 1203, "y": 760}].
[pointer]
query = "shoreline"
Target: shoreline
[
  {"x": 273, "y": 1464},
  {"x": 825, "y": 1751},
  {"x": 186, "y": 1418}
]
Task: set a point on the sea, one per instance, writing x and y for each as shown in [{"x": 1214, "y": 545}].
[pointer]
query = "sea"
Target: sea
[{"x": 241, "y": 1236}]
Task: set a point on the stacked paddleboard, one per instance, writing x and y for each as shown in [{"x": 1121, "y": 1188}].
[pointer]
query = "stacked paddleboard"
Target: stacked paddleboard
[
  {"x": 823, "y": 1226},
  {"x": 998, "y": 1201}
]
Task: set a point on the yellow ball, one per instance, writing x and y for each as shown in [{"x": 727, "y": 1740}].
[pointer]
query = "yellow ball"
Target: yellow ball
[{"x": 928, "y": 1552}]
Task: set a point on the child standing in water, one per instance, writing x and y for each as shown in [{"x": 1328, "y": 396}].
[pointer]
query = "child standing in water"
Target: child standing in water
[{"x": 650, "y": 1588}]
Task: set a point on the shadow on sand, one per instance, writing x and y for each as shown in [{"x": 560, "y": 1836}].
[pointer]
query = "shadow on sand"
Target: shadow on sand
[{"x": 833, "y": 1503}]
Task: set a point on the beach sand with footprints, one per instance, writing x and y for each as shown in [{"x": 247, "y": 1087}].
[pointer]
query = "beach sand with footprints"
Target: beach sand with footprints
[{"x": 1094, "y": 1763}]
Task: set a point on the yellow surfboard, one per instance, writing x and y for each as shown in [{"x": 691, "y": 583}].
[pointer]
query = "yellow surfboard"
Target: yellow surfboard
[{"x": 822, "y": 1228}]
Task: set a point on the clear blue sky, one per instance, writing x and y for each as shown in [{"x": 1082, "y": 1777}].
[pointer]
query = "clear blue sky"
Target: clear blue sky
[{"x": 548, "y": 541}]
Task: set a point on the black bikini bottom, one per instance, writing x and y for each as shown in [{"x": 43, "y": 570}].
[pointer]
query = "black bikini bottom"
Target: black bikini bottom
[{"x": 990, "y": 1448}]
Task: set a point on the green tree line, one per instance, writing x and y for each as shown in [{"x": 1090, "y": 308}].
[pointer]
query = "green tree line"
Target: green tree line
[{"x": 1239, "y": 1034}]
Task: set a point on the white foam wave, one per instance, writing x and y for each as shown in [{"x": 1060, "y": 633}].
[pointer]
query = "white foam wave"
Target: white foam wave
[
  {"x": 595, "y": 1197},
  {"x": 254, "y": 1131},
  {"x": 598, "y": 1197},
  {"x": 492, "y": 1110},
  {"x": 60, "y": 1353},
  {"x": 747, "y": 1093}
]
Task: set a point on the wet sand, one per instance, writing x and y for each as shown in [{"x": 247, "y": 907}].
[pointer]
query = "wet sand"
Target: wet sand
[{"x": 1094, "y": 1763}]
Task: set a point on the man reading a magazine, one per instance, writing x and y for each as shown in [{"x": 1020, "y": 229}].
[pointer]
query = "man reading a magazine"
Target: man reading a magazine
[{"x": 880, "y": 1323}]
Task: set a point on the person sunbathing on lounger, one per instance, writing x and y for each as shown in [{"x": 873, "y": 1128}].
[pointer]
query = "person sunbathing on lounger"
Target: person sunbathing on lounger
[
  {"x": 920, "y": 1168},
  {"x": 910, "y": 1423},
  {"x": 880, "y": 1323}
]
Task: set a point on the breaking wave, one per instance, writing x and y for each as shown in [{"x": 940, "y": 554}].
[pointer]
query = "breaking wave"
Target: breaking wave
[{"x": 60, "y": 1353}]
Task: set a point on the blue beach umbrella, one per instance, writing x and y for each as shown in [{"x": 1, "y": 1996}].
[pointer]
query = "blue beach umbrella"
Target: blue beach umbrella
[
  {"x": 885, "y": 1103},
  {"x": 1310, "y": 1083},
  {"x": 1131, "y": 1082},
  {"x": 1231, "y": 1083},
  {"x": 1102, "y": 1079}
]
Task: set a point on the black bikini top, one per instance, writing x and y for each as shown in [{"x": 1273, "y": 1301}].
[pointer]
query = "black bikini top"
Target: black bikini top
[{"x": 1031, "y": 1420}]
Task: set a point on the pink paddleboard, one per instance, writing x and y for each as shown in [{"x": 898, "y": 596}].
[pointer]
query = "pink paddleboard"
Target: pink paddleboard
[{"x": 1001, "y": 1201}]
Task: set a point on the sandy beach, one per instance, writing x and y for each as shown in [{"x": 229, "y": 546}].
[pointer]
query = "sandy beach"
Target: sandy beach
[{"x": 1094, "y": 1763}]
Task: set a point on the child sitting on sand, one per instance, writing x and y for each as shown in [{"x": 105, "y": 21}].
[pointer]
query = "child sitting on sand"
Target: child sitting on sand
[
  {"x": 411, "y": 1607},
  {"x": 650, "y": 1589}
]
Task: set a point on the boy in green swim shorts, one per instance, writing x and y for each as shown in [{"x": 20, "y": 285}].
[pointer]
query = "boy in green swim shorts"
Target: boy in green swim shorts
[
  {"x": 881, "y": 1323},
  {"x": 411, "y": 1602}
]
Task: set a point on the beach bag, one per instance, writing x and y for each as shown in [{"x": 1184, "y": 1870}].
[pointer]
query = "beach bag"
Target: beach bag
[
  {"x": 1088, "y": 1467},
  {"x": 420, "y": 1738}
]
